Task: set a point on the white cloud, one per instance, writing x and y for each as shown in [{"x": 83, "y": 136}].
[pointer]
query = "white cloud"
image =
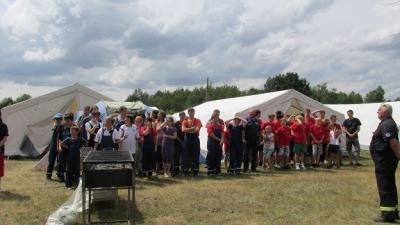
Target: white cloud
[{"x": 152, "y": 44}]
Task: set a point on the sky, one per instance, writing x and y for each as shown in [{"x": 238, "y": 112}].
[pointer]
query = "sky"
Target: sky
[{"x": 116, "y": 46}]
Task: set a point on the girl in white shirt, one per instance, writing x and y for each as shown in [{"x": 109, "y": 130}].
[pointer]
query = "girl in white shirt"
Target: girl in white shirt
[{"x": 129, "y": 136}]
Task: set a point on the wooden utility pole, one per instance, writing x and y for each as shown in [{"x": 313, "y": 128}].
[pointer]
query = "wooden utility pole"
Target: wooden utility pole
[{"x": 207, "y": 89}]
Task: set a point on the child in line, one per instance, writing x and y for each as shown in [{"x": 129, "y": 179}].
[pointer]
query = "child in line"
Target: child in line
[
  {"x": 299, "y": 132},
  {"x": 72, "y": 145},
  {"x": 334, "y": 148},
  {"x": 269, "y": 146},
  {"x": 282, "y": 136},
  {"x": 317, "y": 131}
]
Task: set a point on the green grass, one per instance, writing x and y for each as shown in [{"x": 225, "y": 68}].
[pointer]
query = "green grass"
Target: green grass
[{"x": 322, "y": 196}]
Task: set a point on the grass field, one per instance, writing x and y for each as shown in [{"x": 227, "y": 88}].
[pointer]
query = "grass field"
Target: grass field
[{"x": 321, "y": 196}]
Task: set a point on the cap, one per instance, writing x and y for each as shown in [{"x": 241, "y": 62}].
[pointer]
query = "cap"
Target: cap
[{"x": 58, "y": 116}]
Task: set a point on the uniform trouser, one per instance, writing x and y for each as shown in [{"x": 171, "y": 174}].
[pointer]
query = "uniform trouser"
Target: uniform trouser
[
  {"x": 385, "y": 169},
  {"x": 73, "y": 171},
  {"x": 214, "y": 155},
  {"x": 250, "y": 155},
  {"x": 52, "y": 160},
  {"x": 191, "y": 155},
  {"x": 177, "y": 157},
  {"x": 235, "y": 157},
  {"x": 147, "y": 159},
  {"x": 61, "y": 163}
]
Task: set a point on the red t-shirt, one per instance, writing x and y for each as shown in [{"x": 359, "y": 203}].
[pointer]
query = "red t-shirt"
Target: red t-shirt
[
  {"x": 276, "y": 124},
  {"x": 227, "y": 140},
  {"x": 309, "y": 120},
  {"x": 153, "y": 131},
  {"x": 299, "y": 133},
  {"x": 282, "y": 135},
  {"x": 318, "y": 132},
  {"x": 212, "y": 126},
  {"x": 191, "y": 123}
]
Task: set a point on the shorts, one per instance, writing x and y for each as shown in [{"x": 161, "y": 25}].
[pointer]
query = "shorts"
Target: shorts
[
  {"x": 350, "y": 142},
  {"x": 1, "y": 165},
  {"x": 299, "y": 148},
  {"x": 284, "y": 151},
  {"x": 268, "y": 151},
  {"x": 333, "y": 149},
  {"x": 317, "y": 149}
]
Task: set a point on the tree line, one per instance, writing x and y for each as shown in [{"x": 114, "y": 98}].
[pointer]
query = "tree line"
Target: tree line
[{"x": 180, "y": 98}]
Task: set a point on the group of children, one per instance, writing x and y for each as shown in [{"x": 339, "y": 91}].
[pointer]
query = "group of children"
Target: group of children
[
  {"x": 304, "y": 139},
  {"x": 161, "y": 145}
]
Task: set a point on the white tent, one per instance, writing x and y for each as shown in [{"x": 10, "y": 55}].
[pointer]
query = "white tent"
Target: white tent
[
  {"x": 288, "y": 101},
  {"x": 368, "y": 117},
  {"x": 29, "y": 122}
]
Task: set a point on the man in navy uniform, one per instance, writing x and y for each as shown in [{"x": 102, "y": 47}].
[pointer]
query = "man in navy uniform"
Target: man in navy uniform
[
  {"x": 53, "y": 150},
  {"x": 385, "y": 152}
]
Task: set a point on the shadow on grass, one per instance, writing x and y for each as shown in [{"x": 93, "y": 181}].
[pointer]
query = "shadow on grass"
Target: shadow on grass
[
  {"x": 113, "y": 210},
  {"x": 9, "y": 196}
]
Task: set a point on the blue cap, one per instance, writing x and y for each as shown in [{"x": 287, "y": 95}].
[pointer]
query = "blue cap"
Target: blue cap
[{"x": 58, "y": 116}]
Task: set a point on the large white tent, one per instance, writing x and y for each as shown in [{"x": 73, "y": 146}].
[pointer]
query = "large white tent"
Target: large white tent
[
  {"x": 29, "y": 122},
  {"x": 288, "y": 101},
  {"x": 368, "y": 117}
]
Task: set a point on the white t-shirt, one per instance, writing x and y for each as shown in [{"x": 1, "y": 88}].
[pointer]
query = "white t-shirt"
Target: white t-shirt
[
  {"x": 90, "y": 125},
  {"x": 334, "y": 140},
  {"x": 116, "y": 135},
  {"x": 129, "y": 144}
]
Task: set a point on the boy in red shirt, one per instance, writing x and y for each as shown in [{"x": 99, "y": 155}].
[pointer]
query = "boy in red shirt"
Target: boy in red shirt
[
  {"x": 317, "y": 132},
  {"x": 299, "y": 132},
  {"x": 282, "y": 135}
]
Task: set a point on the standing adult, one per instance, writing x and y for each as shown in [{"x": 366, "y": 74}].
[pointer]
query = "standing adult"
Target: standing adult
[
  {"x": 237, "y": 138},
  {"x": 120, "y": 120},
  {"x": 65, "y": 133},
  {"x": 252, "y": 137},
  {"x": 129, "y": 136},
  {"x": 179, "y": 146},
  {"x": 138, "y": 155},
  {"x": 159, "y": 140},
  {"x": 3, "y": 140},
  {"x": 53, "y": 150},
  {"x": 191, "y": 128},
  {"x": 83, "y": 119},
  {"x": 385, "y": 152},
  {"x": 215, "y": 131},
  {"x": 351, "y": 126},
  {"x": 92, "y": 127}
]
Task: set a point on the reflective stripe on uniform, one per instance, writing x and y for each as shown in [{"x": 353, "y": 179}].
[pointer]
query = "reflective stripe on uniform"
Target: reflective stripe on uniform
[{"x": 388, "y": 209}]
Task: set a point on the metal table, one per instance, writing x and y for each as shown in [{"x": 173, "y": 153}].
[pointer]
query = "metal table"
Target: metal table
[{"x": 108, "y": 170}]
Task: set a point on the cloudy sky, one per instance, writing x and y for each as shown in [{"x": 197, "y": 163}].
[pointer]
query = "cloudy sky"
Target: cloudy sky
[{"x": 115, "y": 46}]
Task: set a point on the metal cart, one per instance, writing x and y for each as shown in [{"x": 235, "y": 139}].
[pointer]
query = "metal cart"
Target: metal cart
[{"x": 108, "y": 170}]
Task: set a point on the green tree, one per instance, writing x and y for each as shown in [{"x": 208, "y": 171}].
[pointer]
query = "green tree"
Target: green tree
[
  {"x": 6, "y": 102},
  {"x": 397, "y": 99},
  {"x": 22, "y": 98},
  {"x": 377, "y": 95},
  {"x": 138, "y": 95},
  {"x": 289, "y": 80}
]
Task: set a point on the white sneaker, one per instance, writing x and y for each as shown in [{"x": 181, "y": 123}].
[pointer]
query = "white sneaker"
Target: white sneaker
[
  {"x": 302, "y": 166},
  {"x": 166, "y": 175},
  {"x": 277, "y": 166},
  {"x": 297, "y": 167}
]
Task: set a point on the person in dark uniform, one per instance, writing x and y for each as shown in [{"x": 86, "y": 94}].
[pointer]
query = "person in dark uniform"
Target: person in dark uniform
[
  {"x": 215, "y": 131},
  {"x": 63, "y": 152},
  {"x": 236, "y": 130},
  {"x": 351, "y": 127},
  {"x": 385, "y": 152},
  {"x": 252, "y": 137},
  {"x": 147, "y": 136},
  {"x": 120, "y": 120},
  {"x": 73, "y": 144},
  {"x": 53, "y": 152},
  {"x": 86, "y": 116},
  {"x": 178, "y": 144},
  {"x": 3, "y": 140},
  {"x": 191, "y": 127}
]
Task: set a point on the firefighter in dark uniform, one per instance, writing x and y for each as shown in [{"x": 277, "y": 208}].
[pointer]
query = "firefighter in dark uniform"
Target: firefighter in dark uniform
[{"x": 385, "y": 152}]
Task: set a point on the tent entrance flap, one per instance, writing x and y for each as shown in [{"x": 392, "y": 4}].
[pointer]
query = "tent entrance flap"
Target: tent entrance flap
[{"x": 28, "y": 148}]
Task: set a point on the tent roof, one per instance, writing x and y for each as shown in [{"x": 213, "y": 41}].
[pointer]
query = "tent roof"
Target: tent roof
[
  {"x": 57, "y": 93},
  {"x": 367, "y": 114}
]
